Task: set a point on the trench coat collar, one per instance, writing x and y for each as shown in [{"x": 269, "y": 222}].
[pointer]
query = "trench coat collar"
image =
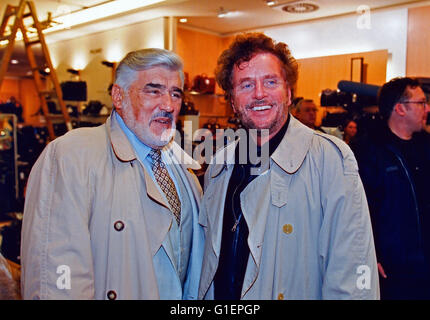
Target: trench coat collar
[
  {"x": 121, "y": 147},
  {"x": 293, "y": 148},
  {"x": 124, "y": 150},
  {"x": 289, "y": 155}
]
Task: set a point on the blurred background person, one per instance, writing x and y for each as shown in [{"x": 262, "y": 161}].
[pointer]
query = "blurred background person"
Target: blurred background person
[
  {"x": 349, "y": 131},
  {"x": 394, "y": 166},
  {"x": 305, "y": 110}
]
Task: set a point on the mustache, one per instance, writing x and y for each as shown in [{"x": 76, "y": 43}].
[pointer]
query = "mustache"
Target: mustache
[{"x": 162, "y": 114}]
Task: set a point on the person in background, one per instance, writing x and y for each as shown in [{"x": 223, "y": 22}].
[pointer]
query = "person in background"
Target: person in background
[
  {"x": 349, "y": 131},
  {"x": 394, "y": 166},
  {"x": 112, "y": 212},
  {"x": 296, "y": 224},
  {"x": 305, "y": 110},
  {"x": 8, "y": 286}
]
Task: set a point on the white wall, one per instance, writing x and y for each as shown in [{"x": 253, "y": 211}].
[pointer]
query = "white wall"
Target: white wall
[
  {"x": 350, "y": 34},
  {"x": 86, "y": 53}
]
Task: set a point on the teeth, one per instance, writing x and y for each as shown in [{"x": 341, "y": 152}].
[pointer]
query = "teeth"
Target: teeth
[{"x": 260, "y": 108}]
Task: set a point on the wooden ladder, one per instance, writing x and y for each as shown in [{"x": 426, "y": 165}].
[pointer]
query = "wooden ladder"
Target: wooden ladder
[{"x": 20, "y": 13}]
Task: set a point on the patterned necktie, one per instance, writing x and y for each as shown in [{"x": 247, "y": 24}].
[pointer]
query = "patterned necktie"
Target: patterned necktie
[{"x": 165, "y": 182}]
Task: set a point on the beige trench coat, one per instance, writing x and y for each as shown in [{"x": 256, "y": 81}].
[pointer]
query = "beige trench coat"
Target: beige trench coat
[
  {"x": 93, "y": 211},
  {"x": 310, "y": 234}
]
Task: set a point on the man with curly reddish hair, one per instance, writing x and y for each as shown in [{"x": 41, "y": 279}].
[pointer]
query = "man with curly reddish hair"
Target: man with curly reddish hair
[{"x": 295, "y": 224}]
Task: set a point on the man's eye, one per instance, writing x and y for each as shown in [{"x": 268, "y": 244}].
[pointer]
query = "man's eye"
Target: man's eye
[
  {"x": 153, "y": 92},
  {"x": 270, "y": 82},
  {"x": 176, "y": 95},
  {"x": 246, "y": 85}
]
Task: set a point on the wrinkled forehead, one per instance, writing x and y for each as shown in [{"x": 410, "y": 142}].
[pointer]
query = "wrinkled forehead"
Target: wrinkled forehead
[
  {"x": 262, "y": 64},
  {"x": 158, "y": 75}
]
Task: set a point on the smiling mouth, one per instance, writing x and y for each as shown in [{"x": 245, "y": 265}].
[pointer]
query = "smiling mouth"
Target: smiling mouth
[{"x": 261, "y": 108}]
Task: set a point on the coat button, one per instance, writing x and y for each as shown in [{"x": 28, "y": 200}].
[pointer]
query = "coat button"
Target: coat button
[
  {"x": 111, "y": 295},
  {"x": 118, "y": 225},
  {"x": 280, "y": 296},
  {"x": 287, "y": 228}
]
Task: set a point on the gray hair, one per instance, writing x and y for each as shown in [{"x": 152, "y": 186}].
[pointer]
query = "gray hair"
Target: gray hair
[
  {"x": 298, "y": 105},
  {"x": 143, "y": 60}
]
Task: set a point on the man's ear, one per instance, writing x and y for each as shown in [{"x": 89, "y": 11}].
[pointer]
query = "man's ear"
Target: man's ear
[
  {"x": 400, "y": 109},
  {"x": 232, "y": 105},
  {"x": 289, "y": 95},
  {"x": 117, "y": 95}
]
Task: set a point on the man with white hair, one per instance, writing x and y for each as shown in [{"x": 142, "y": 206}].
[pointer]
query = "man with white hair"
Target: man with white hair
[
  {"x": 112, "y": 212},
  {"x": 305, "y": 110}
]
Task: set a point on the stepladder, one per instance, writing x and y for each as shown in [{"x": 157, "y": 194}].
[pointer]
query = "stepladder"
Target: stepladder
[{"x": 24, "y": 18}]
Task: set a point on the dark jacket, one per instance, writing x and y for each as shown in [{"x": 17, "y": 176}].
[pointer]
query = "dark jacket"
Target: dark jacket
[{"x": 399, "y": 220}]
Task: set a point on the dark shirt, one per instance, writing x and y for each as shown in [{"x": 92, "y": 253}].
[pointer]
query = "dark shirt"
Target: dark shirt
[
  {"x": 234, "y": 252},
  {"x": 395, "y": 174},
  {"x": 413, "y": 152}
]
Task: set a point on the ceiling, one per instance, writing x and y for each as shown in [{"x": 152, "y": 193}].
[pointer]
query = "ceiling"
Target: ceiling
[{"x": 201, "y": 14}]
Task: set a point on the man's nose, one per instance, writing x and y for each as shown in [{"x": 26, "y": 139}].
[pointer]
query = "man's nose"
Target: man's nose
[
  {"x": 259, "y": 92},
  {"x": 167, "y": 103}
]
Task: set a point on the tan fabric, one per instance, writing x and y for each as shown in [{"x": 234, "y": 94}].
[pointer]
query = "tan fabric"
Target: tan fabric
[
  {"x": 309, "y": 225},
  {"x": 92, "y": 207}
]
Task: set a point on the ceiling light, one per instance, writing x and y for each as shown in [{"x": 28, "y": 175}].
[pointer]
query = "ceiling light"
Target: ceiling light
[
  {"x": 300, "y": 7},
  {"x": 183, "y": 20},
  {"x": 97, "y": 12},
  {"x": 14, "y": 61},
  {"x": 270, "y": 3}
]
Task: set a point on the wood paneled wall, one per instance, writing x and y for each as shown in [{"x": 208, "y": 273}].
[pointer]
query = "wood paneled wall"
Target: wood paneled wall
[
  {"x": 317, "y": 74},
  {"x": 24, "y": 91},
  {"x": 200, "y": 52},
  {"x": 418, "y": 49}
]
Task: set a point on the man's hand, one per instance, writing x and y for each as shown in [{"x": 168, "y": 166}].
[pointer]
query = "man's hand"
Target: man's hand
[{"x": 381, "y": 271}]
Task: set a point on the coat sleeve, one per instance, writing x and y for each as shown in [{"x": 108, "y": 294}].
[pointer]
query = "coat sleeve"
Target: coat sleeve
[
  {"x": 347, "y": 251},
  {"x": 55, "y": 248}
]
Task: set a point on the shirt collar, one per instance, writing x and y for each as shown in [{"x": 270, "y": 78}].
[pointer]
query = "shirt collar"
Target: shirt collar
[
  {"x": 289, "y": 154},
  {"x": 120, "y": 143}
]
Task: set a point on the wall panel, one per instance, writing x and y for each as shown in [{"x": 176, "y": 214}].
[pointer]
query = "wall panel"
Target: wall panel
[{"x": 418, "y": 50}]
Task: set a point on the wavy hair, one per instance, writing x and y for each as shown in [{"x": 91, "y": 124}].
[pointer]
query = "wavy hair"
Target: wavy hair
[
  {"x": 145, "y": 59},
  {"x": 244, "y": 48}
]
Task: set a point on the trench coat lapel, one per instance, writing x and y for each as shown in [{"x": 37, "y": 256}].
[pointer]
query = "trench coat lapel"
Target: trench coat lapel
[
  {"x": 187, "y": 165},
  {"x": 255, "y": 206},
  {"x": 158, "y": 224},
  {"x": 291, "y": 152},
  {"x": 212, "y": 215},
  {"x": 223, "y": 164}
]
